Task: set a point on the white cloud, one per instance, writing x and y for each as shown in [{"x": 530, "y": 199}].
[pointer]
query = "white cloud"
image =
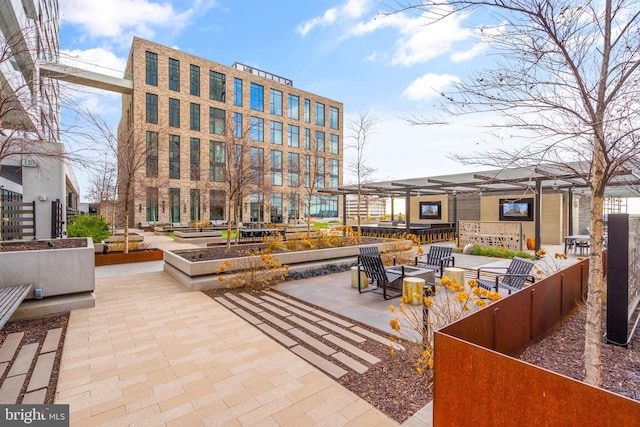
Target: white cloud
[
  {"x": 99, "y": 60},
  {"x": 352, "y": 9},
  {"x": 476, "y": 50},
  {"x": 121, "y": 19},
  {"x": 428, "y": 86},
  {"x": 421, "y": 43}
]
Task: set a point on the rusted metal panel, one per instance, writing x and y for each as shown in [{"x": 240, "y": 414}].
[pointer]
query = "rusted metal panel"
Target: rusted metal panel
[{"x": 479, "y": 387}]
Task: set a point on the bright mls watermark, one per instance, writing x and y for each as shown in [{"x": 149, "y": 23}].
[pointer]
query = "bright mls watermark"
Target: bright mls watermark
[{"x": 34, "y": 415}]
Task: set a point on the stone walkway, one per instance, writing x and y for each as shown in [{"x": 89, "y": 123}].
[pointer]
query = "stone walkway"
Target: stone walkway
[
  {"x": 151, "y": 353},
  {"x": 28, "y": 369}
]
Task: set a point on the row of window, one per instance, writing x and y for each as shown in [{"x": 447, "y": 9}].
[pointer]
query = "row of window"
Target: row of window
[
  {"x": 217, "y": 126},
  {"x": 217, "y": 163},
  {"x": 321, "y": 206},
  {"x": 217, "y": 92}
]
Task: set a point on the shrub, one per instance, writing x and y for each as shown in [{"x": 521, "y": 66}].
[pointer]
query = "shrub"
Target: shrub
[
  {"x": 499, "y": 253},
  {"x": 88, "y": 226}
]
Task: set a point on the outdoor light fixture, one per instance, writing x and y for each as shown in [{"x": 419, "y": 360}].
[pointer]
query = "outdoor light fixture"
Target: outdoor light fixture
[
  {"x": 184, "y": 206},
  {"x": 140, "y": 207},
  {"x": 163, "y": 206},
  {"x": 555, "y": 186}
]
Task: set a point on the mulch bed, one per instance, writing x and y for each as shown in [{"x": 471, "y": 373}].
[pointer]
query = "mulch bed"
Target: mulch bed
[{"x": 32, "y": 245}]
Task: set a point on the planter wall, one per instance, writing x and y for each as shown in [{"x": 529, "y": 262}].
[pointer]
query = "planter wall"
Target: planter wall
[
  {"x": 56, "y": 271},
  {"x": 133, "y": 256}
]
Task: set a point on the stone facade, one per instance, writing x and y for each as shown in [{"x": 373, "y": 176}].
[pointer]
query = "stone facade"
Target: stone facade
[{"x": 134, "y": 125}]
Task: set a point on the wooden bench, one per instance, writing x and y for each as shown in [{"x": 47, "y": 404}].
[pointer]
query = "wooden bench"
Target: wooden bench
[{"x": 10, "y": 299}]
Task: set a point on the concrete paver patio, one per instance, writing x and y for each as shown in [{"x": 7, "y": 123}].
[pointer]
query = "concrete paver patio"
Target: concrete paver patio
[{"x": 151, "y": 353}]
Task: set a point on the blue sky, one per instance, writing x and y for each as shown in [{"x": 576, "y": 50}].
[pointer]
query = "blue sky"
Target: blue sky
[{"x": 392, "y": 66}]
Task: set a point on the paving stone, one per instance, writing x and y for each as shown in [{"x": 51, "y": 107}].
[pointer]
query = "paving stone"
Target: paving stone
[
  {"x": 42, "y": 372},
  {"x": 334, "y": 319},
  {"x": 9, "y": 346},
  {"x": 52, "y": 341},
  {"x": 11, "y": 389},
  {"x": 338, "y": 330},
  {"x": 320, "y": 362},
  {"x": 376, "y": 337},
  {"x": 226, "y": 303},
  {"x": 276, "y": 335},
  {"x": 251, "y": 298},
  {"x": 35, "y": 397},
  {"x": 3, "y": 367},
  {"x": 312, "y": 342},
  {"x": 275, "y": 301},
  {"x": 352, "y": 349},
  {"x": 272, "y": 308},
  {"x": 350, "y": 363},
  {"x": 304, "y": 314},
  {"x": 249, "y": 305},
  {"x": 297, "y": 303},
  {"x": 24, "y": 359},
  {"x": 308, "y": 326},
  {"x": 248, "y": 317},
  {"x": 276, "y": 320}
]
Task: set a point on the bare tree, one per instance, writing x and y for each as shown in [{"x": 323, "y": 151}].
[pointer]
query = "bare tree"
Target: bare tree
[
  {"x": 103, "y": 189},
  {"x": 568, "y": 74},
  {"x": 362, "y": 129},
  {"x": 236, "y": 171},
  {"x": 309, "y": 178}
]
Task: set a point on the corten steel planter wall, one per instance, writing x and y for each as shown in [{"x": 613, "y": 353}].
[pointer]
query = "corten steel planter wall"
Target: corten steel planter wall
[
  {"x": 132, "y": 256},
  {"x": 475, "y": 359}
]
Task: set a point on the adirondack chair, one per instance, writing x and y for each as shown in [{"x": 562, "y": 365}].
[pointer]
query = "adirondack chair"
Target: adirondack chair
[
  {"x": 437, "y": 259},
  {"x": 517, "y": 273},
  {"x": 387, "y": 283}
]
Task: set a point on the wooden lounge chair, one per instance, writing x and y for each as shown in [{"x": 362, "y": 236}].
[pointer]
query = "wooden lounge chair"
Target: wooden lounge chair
[
  {"x": 387, "y": 283},
  {"x": 517, "y": 273},
  {"x": 437, "y": 259}
]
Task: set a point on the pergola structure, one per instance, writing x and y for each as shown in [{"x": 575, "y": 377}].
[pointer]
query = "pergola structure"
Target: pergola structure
[{"x": 532, "y": 181}]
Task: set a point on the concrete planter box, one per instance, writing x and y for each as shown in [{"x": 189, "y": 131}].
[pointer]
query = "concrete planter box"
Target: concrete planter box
[
  {"x": 66, "y": 277},
  {"x": 199, "y": 275},
  {"x": 132, "y": 256},
  {"x": 133, "y": 237}
]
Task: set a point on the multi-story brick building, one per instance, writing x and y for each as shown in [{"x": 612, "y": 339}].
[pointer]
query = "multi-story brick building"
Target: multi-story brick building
[{"x": 185, "y": 110}]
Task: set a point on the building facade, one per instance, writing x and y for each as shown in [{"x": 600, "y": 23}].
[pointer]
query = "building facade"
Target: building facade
[
  {"x": 187, "y": 112},
  {"x": 370, "y": 206},
  {"x": 30, "y": 120}
]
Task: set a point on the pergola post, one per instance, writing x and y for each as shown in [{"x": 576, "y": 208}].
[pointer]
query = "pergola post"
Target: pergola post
[
  {"x": 570, "y": 213},
  {"x": 538, "y": 215},
  {"x": 407, "y": 205},
  {"x": 344, "y": 214},
  {"x": 392, "y": 217}
]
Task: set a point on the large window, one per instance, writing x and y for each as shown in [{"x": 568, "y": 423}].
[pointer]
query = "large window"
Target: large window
[
  {"x": 174, "y": 75},
  {"x": 194, "y": 159},
  {"x": 237, "y": 92},
  {"x": 293, "y": 136},
  {"x": 275, "y": 208},
  {"x": 194, "y": 80},
  {"x": 319, "y": 172},
  {"x": 294, "y": 206},
  {"x": 152, "y": 68},
  {"x": 275, "y": 102},
  {"x": 174, "y": 113},
  {"x": 334, "y": 118},
  {"x": 334, "y": 144},
  {"x": 334, "y": 171},
  {"x": 307, "y": 111},
  {"x": 256, "y": 162},
  {"x": 320, "y": 141},
  {"x": 237, "y": 125},
  {"x": 319, "y": 114},
  {"x": 152, "y": 204},
  {"x": 293, "y": 107},
  {"x": 307, "y": 139},
  {"x": 217, "y": 86},
  {"x": 216, "y": 121},
  {"x": 217, "y": 201},
  {"x": 194, "y": 116},
  {"x": 152, "y": 154},
  {"x": 257, "y": 129},
  {"x": 293, "y": 167},
  {"x": 276, "y": 167},
  {"x": 216, "y": 161},
  {"x": 174, "y": 156},
  {"x": 257, "y": 97},
  {"x": 174, "y": 204},
  {"x": 256, "y": 206},
  {"x": 194, "y": 204},
  {"x": 276, "y": 133},
  {"x": 152, "y": 108}
]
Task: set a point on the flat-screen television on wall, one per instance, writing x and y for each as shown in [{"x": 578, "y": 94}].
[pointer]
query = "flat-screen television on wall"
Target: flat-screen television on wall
[
  {"x": 430, "y": 210},
  {"x": 516, "y": 209}
]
